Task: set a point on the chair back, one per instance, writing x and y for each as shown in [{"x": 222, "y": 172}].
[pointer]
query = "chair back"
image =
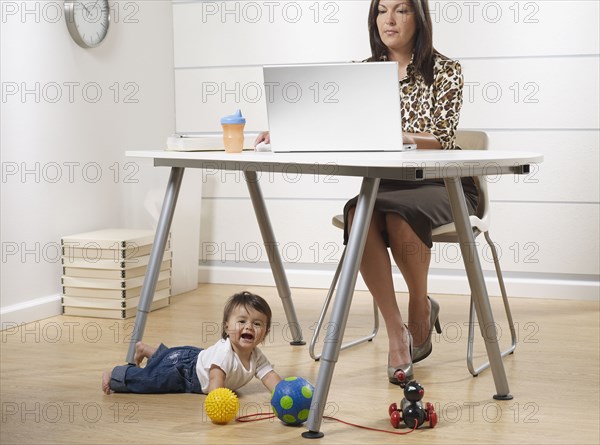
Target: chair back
[{"x": 470, "y": 140}]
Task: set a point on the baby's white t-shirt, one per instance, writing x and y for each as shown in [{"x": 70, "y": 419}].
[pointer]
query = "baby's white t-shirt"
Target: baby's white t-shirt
[{"x": 222, "y": 355}]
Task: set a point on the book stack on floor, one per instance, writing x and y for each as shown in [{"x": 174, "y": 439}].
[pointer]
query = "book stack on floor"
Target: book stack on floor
[{"x": 103, "y": 273}]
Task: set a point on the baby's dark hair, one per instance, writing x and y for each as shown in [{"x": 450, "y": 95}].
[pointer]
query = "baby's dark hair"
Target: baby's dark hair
[{"x": 247, "y": 300}]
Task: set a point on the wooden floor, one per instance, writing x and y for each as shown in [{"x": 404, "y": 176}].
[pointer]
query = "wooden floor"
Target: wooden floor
[{"x": 51, "y": 373}]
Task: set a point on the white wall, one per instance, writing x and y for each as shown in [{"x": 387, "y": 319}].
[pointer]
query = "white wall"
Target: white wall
[
  {"x": 68, "y": 115},
  {"x": 531, "y": 72}
]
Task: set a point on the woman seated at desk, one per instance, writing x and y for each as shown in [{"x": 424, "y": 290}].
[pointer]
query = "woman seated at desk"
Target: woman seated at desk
[{"x": 406, "y": 212}]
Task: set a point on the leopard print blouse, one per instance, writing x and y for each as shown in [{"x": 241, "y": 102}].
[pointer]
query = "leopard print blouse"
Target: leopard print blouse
[{"x": 436, "y": 108}]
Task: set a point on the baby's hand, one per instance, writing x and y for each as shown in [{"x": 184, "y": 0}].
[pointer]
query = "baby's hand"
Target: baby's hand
[{"x": 263, "y": 137}]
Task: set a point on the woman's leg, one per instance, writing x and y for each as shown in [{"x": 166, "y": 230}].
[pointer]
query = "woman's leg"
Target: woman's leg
[
  {"x": 376, "y": 270},
  {"x": 412, "y": 258}
]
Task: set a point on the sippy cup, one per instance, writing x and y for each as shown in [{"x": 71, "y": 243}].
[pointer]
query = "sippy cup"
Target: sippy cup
[{"x": 233, "y": 132}]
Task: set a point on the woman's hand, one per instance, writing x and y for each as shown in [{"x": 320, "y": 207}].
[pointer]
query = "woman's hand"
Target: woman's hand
[
  {"x": 407, "y": 138},
  {"x": 263, "y": 137},
  {"x": 423, "y": 140}
]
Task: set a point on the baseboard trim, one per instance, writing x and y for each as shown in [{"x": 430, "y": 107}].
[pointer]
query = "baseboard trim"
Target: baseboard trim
[
  {"x": 440, "y": 281},
  {"x": 30, "y": 310}
]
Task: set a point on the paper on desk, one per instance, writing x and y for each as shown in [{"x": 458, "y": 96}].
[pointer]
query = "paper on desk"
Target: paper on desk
[{"x": 204, "y": 142}]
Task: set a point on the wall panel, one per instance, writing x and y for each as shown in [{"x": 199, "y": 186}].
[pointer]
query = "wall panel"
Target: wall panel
[
  {"x": 568, "y": 174},
  {"x": 218, "y": 33},
  {"x": 498, "y": 94},
  {"x": 530, "y": 237}
]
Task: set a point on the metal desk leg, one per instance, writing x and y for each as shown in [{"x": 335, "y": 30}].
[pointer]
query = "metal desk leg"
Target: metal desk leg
[
  {"x": 477, "y": 285},
  {"x": 283, "y": 288},
  {"x": 156, "y": 257},
  {"x": 341, "y": 305}
]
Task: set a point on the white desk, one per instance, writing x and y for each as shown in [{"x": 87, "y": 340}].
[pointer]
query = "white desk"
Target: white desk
[{"x": 449, "y": 165}]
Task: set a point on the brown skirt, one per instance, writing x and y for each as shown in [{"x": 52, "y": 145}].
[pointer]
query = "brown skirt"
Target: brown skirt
[{"x": 424, "y": 205}]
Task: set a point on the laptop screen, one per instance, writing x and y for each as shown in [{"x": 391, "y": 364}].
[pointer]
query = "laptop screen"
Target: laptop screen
[{"x": 333, "y": 107}]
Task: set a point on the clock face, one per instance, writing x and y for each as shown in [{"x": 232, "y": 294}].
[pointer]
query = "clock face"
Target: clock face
[{"x": 87, "y": 21}]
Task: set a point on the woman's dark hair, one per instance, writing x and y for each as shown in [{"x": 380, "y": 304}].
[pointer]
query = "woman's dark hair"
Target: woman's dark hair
[
  {"x": 424, "y": 51},
  {"x": 248, "y": 301}
]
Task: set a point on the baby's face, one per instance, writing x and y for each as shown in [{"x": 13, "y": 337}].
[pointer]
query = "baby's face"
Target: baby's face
[{"x": 246, "y": 327}]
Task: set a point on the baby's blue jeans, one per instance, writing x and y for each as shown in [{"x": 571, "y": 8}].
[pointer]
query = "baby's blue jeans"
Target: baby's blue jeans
[{"x": 169, "y": 370}]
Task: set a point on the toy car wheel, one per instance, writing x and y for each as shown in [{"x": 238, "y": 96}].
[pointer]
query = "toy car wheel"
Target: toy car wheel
[
  {"x": 431, "y": 415},
  {"x": 395, "y": 419}
]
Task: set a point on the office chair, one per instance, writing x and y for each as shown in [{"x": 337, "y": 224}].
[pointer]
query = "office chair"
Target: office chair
[{"x": 467, "y": 140}]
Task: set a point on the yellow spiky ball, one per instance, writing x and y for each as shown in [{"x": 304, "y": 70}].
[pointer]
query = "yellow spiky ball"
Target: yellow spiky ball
[{"x": 221, "y": 405}]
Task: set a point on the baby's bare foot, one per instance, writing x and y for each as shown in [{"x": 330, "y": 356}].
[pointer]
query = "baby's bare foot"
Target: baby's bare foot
[
  {"x": 106, "y": 382},
  {"x": 142, "y": 351}
]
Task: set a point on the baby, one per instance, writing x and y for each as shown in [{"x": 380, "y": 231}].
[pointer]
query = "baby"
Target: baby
[{"x": 230, "y": 363}]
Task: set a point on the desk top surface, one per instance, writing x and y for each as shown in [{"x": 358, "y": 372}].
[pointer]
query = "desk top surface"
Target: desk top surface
[
  {"x": 364, "y": 159},
  {"x": 418, "y": 163}
]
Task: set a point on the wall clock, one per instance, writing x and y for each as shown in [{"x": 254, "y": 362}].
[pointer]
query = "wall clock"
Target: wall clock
[{"x": 87, "y": 21}]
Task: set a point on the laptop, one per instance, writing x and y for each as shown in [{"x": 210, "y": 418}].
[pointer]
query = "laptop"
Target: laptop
[{"x": 334, "y": 107}]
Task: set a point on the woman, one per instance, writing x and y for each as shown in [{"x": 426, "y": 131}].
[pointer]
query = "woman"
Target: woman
[{"x": 405, "y": 212}]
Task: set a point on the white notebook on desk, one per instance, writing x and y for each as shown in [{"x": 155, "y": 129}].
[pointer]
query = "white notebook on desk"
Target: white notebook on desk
[
  {"x": 347, "y": 107},
  {"x": 200, "y": 141}
]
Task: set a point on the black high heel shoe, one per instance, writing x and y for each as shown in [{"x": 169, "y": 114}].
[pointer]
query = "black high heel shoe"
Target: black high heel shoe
[
  {"x": 422, "y": 352},
  {"x": 401, "y": 375}
]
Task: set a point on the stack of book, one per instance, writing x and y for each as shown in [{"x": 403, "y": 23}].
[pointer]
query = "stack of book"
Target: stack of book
[{"x": 103, "y": 273}]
